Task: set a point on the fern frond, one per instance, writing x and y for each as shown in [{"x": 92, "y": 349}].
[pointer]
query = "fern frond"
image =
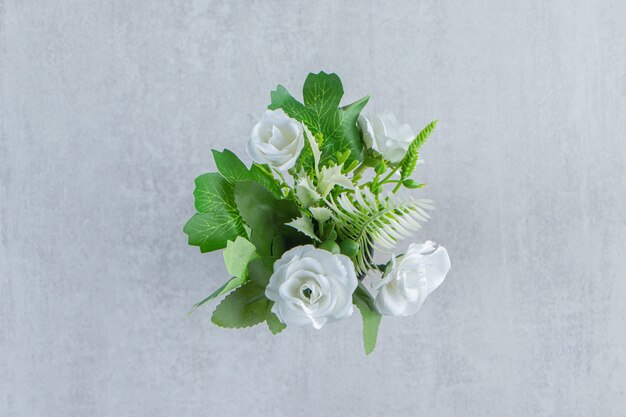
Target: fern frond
[
  {"x": 376, "y": 225},
  {"x": 408, "y": 163}
]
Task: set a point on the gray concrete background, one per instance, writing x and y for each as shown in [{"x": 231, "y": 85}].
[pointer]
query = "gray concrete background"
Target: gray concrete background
[{"x": 108, "y": 112}]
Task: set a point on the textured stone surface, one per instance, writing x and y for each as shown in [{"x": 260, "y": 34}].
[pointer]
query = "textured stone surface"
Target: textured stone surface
[{"x": 108, "y": 112}]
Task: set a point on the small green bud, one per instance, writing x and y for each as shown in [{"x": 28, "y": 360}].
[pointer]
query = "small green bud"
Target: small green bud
[
  {"x": 330, "y": 246},
  {"x": 349, "y": 247},
  {"x": 411, "y": 183}
]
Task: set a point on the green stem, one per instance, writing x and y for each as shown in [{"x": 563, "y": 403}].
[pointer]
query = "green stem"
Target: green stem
[{"x": 393, "y": 171}]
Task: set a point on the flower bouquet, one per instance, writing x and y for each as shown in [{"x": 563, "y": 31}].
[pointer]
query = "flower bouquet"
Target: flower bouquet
[{"x": 301, "y": 226}]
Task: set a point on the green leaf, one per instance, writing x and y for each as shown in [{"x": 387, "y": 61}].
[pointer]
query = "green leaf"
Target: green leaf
[
  {"x": 263, "y": 175},
  {"x": 304, "y": 224},
  {"x": 217, "y": 220},
  {"x": 321, "y": 214},
  {"x": 320, "y": 112},
  {"x": 237, "y": 255},
  {"x": 263, "y": 213},
  {"x": 408, "y": 163},
  {"x": 371, "y": 317},
  {"x": 231, "y": 167},
  {"x": 275, "y": 325},
  {"x": 244, "y": 307},
  {"x": 260, "y": 270}
]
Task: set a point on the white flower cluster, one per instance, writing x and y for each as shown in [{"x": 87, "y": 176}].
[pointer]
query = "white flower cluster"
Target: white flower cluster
[{"x": 312, "y": 286}]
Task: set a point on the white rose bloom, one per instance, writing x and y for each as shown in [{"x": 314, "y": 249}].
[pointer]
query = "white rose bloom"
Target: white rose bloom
[
  {"x": 311, "y": 286},
  {"x": 276, "y": 140},
  {"x": 386, "y": 135},
  {"x": 411, "y": 278}
]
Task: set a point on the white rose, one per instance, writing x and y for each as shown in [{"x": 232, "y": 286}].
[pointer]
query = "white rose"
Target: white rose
[
  {"x": 386, "y": 135},
  {"x": 411, "y": 278},
  {"x": 276, "y": 140},
  {"x": 311, "y": 286}
]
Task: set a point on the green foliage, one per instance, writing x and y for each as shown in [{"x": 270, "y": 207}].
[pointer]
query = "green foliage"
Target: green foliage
[
  {"x": 244, "y": 307},
  {"x": 375, "y": 225},
  {"x": 231, "y": 167},
  {"x": 275, "y": 325},
  {"x": 320, "y": 112},
  {"x": 217, "y": 220},
  {"x": 304, "y": 224},
  {"x": 263, "y": 213},
  {"x": 236, "y": 257},
  {"x": 371, "y": 317},
  {"x": 408, "y": 163},
  {"x": 260, "y": 270},
  {"x": 247, "y": 305}
]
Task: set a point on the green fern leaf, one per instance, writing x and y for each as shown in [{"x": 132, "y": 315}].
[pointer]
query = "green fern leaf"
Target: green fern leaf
[
  {"x": 408, "y": 163},
  {"x": 376, "y": 225}
]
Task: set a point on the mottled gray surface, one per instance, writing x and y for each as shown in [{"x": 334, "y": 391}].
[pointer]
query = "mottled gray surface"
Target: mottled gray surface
[{"x": 108, "y": 112}]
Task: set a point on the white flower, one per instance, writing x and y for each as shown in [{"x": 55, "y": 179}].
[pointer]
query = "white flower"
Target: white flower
[
  {"x": 311, "y": 286},
  {"x": 386, "y": 135},
  {"x": 411, "y": 278},
  {"x": 276, "y": 140}
]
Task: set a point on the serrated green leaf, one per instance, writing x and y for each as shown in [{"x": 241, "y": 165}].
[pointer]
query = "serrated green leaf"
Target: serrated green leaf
[
  {"x": 231, "y": 168},
  {"x": 263, "y": 213},
  {"x": 244, "y": 307},
  {"x": 217, "y": 220},
  {"x": 304, "y": 224},
  {"x": 321, "y": 214},
  {"x": 371, "y": 317},
  {"x": 274, "y": 324},
  {"x": 237, "y": 255},
  {"x": 320, "y": 112},
  {"x": 263, "y": 176},
  {"x": 408, "y": 163}
]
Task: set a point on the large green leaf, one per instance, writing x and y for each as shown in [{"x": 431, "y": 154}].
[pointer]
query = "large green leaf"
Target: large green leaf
[
  {"x": 320, "y": 112},
  {"x": 263, "y": 213},
  {"x": 217, "y": 220},
  {"x": 231, "y": 167},
  {"x": 371, "y": 317},
  {"x": 244, "y": 307}
]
